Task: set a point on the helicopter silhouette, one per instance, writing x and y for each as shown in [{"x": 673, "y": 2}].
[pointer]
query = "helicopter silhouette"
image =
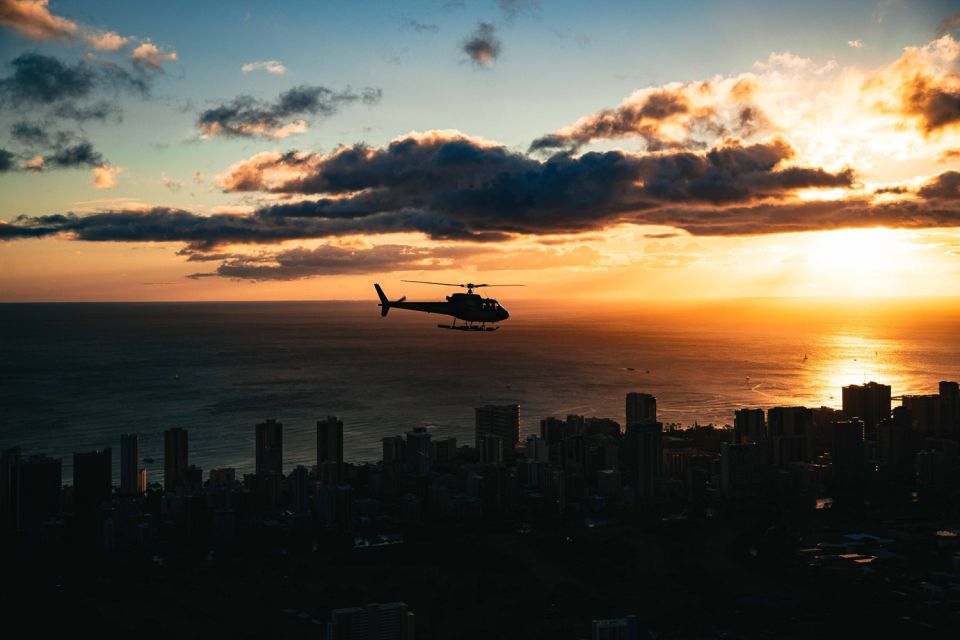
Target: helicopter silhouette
[{"x": 474, "y": 310}]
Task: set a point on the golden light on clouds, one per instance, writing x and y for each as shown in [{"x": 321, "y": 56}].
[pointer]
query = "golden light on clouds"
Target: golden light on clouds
[
  {"x": 796, "y": 177},
  {"x": 105, "y": 177},
  {"x": 865, "y": 118}
]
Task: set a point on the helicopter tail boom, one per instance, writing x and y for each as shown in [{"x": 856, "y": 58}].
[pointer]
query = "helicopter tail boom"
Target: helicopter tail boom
[{"x": 384, "y": 303}]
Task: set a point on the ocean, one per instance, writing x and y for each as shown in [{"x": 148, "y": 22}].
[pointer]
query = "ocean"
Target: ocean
[{"x": 73, "y": 377}]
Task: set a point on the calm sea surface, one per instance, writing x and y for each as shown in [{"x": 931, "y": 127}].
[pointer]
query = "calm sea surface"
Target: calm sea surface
[{"x": 73, "y": 377}]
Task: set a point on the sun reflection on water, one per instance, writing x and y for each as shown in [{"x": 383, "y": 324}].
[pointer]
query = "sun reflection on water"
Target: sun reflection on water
[{"x": 854, "y": 359}]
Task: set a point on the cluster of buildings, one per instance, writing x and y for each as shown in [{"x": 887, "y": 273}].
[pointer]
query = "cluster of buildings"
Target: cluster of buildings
[
  {"x": 582, "y": 464},
  {"x": 838, "y": 450},
  {"x": 587, "y": 467}
]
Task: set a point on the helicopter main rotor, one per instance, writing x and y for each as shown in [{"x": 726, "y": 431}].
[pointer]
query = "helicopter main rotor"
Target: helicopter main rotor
[{"x": 469, "y": 286}]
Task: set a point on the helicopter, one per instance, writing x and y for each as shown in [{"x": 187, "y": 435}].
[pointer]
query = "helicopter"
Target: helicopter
[{"x": 474, "y": 310}]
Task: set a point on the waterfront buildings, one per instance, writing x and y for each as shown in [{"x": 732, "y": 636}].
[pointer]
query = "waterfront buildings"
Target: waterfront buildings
[
  {"x": 269, "y": 448},
  {"x": 499, "y": 421},
  {"x": 175, "y": 458}
]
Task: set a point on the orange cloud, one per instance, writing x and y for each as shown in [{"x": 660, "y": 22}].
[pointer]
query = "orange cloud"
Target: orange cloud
[
  {"x": 106, "y": 40},
  {"x": 922, "y": 85},
  {"x": 106, "y": 177},
  {"x": 150, "y": 55},
  {"x": 684, "y": 115},
  {"x": 32, "y": 18}
]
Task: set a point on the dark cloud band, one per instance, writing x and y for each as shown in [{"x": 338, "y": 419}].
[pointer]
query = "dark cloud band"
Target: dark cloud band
[
  {"x": 245, "y": 116},
  {"x": 71, "y": 91},
  {"x": 452, "y": 187},
  {"x": 326, "y": 260}
]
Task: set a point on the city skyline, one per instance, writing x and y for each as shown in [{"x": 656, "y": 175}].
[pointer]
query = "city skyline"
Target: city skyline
[
  {"x": 623, "y": 482},
  {"x": 474, "y": 319},
  {"x": 868, "y": 403},
  {"x": 810, "y": 151}
]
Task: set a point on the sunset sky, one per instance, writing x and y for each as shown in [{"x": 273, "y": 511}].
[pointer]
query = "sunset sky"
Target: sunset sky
[{"x": 620, "y": 150}]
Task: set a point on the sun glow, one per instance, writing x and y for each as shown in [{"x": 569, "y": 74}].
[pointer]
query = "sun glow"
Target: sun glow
[
  {"x": 862, "y": 263},
  {"x": 852, "y": 252}
]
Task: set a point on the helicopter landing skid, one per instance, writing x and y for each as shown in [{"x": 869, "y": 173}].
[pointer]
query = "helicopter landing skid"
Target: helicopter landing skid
[{"x": 467, "y": 327}]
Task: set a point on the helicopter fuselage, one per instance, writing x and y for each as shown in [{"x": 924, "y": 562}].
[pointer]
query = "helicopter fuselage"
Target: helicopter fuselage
[{"x": 469, "y": 307}]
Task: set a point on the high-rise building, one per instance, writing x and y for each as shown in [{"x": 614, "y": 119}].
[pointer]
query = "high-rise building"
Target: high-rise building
[
  {"x": 223, "y": 478},
  {"x": 92, "y": 479},
  {"x": 444, "y": 450},
  {"x": 749, "y": 425},
  {"x": 573, "y": 454},
  {"x": 391, "y": 621},
  {"x": 642, "y": 458},
  {"x": 536, "y": 449},
  {"x": 490, "y": 448},
  {"x": 869, "y": 402},
  {"x": 823, "y": 419},
  {"x": 500, "y": 421},
  {"x": 552, "y": 484},
  {"x": 9, "y": 461},
  {"x": 789, "y": 430},
  {"x": 330, "y": 440},
  {"x": 575, "y": 425},
  {"x": 601, "y": 427},
  {"x": 925, "y": 412},
  {"x": 849, "y": 460},
  {"x": 903, "y": 417},
  {"x": 334, "y": 505},
  {"x": 644, "y": 444},
  {"x": 740, "y": 467},
  {"x": 265, "y": 494},
  {"x": 394, "y": 449},
  {"x": 615, "y": 629},
  {"x": 194, "y": 478},
  {"x": 175, "y": 459},
  {"x": 129, "y": 464},
  {"x": 931, "y": 468},
  {"x": 328, "y": 473},
  {"x": 418, "y": 451},
  {"x": 300, "y": 489},
  {"x": 641, "y": 408},
  {"x": 269, "y": 448},
  {"x": 949, "y": 408},
  {"x": 608, "y": 482},
  {"x": 552, "y": 430},
  {"x": 894, "y": 449},
  {"x": 39, "y": 483}
]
